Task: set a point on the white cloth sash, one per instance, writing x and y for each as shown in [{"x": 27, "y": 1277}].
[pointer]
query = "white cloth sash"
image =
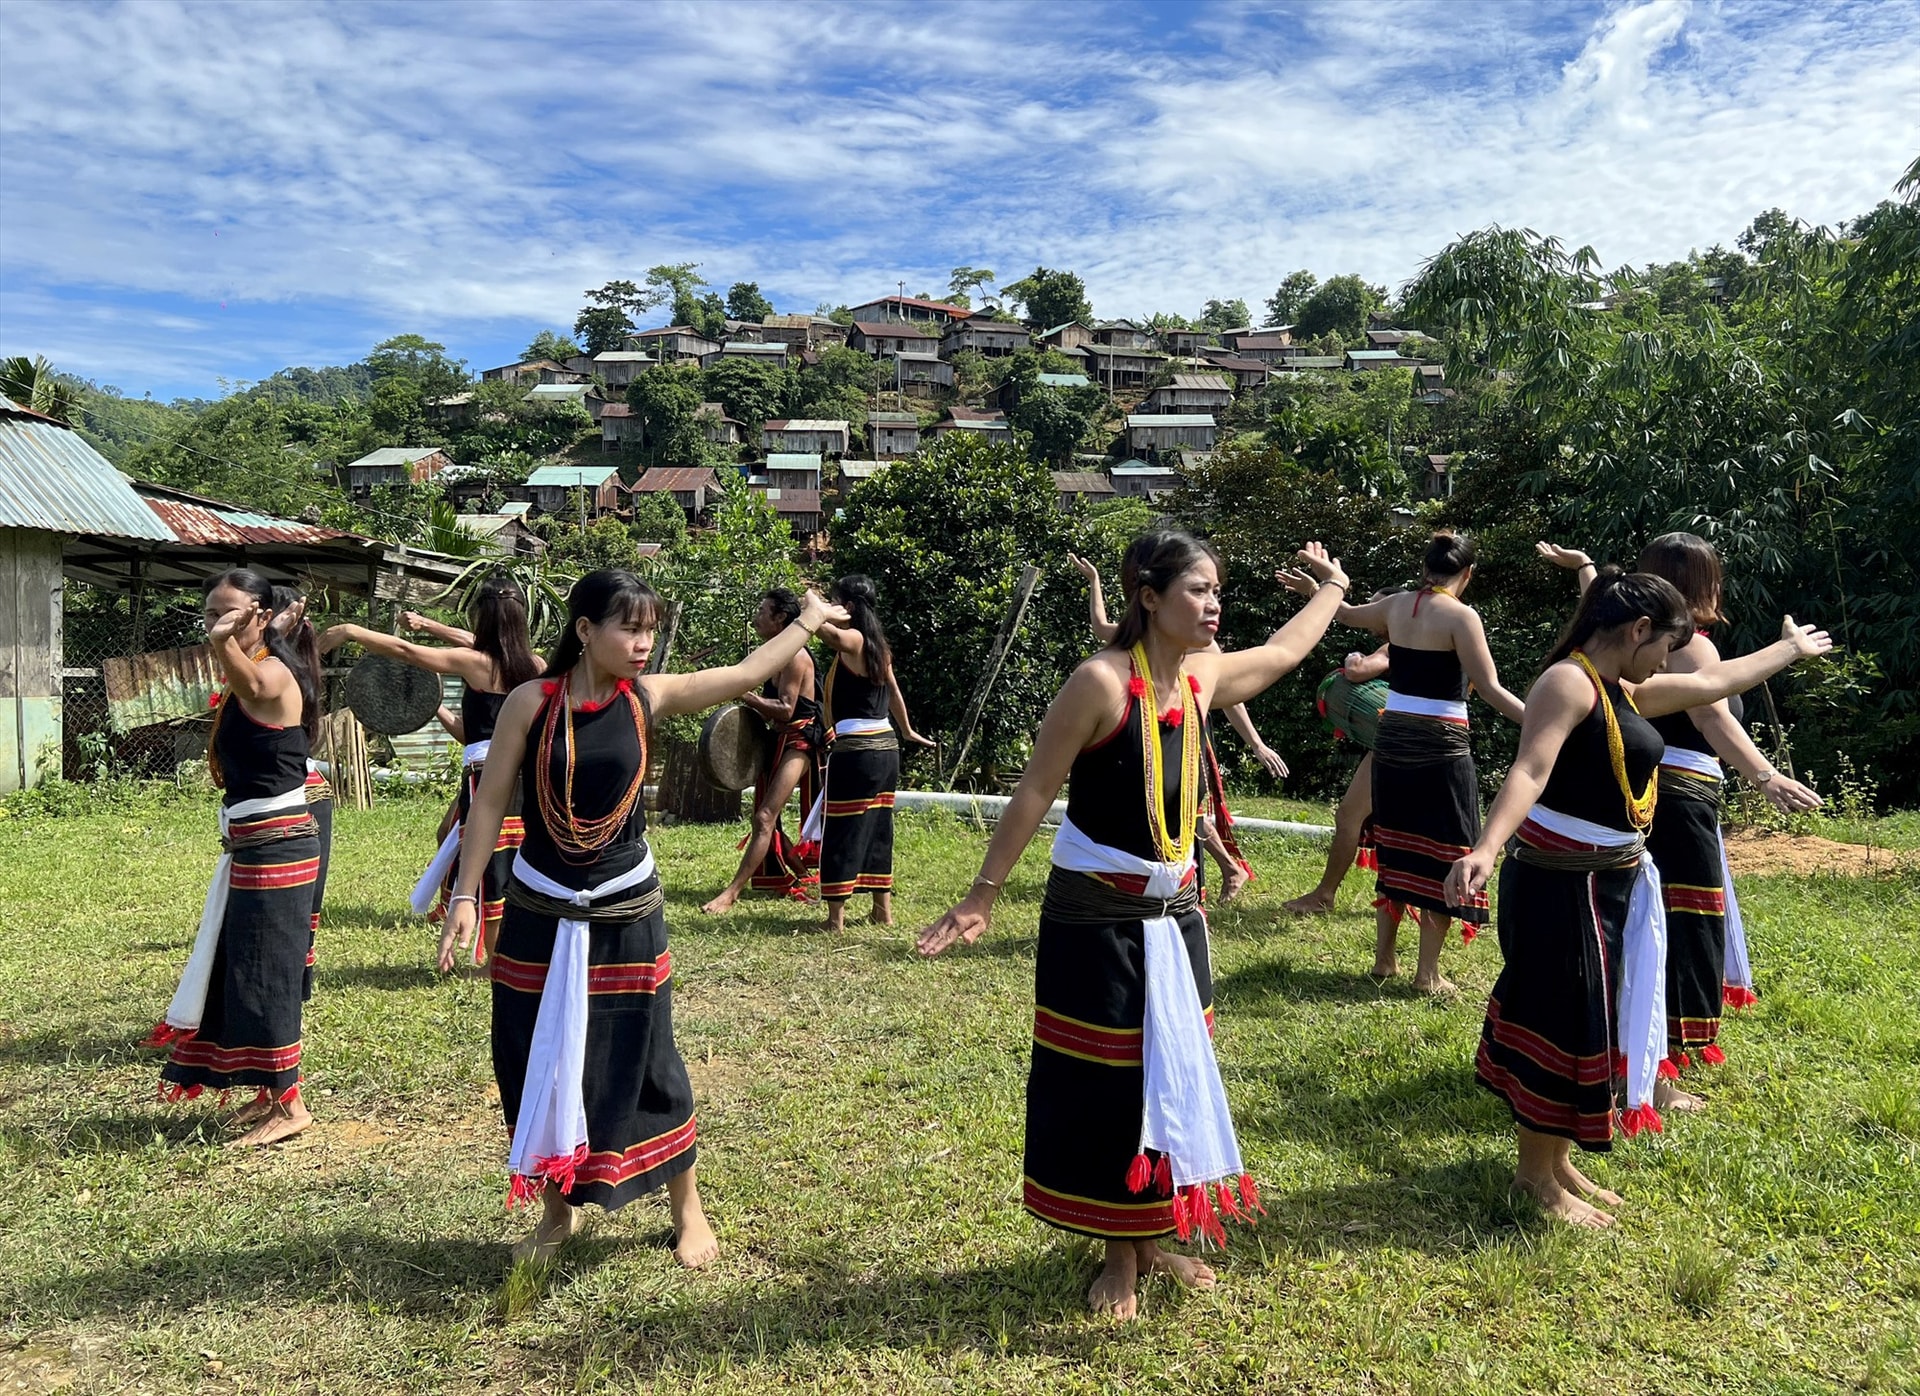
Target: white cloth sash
[
  {"x": 190, "y": 999},
  {"x": 1697, "y": 763},
  {"x": 814, "y": 826},
  {"x": 1451, "y": 709},
  {"x": 1738, "y": 971},
  {"x": 1640, "y": 1031},
  {"x": 1184, "y": 1114},
  {"x": 550, "y": 1132},
  {"x": 427, "y": 890}
]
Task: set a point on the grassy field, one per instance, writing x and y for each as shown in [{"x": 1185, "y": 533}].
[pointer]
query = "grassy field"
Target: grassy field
[{"x": 860, "y": 1115}]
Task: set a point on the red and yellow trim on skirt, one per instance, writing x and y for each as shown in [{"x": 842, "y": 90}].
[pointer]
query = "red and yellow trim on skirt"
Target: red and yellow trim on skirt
[
  {"x": 638, "y": 977},
  {"x": 1090, "y": 1042},
  {"x": 1117, "y": 1219},
  {"x": 1594, "y": 1127},
  {"x": 866, "y": 882},
  {"x": 1400, "y": 880},
  {"x": 1594, "y": 1069},
  {"x": 1384, "y": 837},
  {"x": 613, "y": 1169},
  {"x": 1699, "y": 901},
  {"x": 269, "y": 877},
  {"x": 848, "y": 809},
  {"x": 198, "y": 1052}
]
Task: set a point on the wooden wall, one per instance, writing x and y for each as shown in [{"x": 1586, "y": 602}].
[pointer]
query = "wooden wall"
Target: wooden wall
[{"x": 31, "y": 587}]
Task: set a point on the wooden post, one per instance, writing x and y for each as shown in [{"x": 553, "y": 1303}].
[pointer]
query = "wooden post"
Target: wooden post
[{"x": 996, "y": 657}]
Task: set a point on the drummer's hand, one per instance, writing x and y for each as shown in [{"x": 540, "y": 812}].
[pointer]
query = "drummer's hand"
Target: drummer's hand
[
  {"x": 457, "y": 935},
  {"x": 966, "y": 922},
  {"x": 413, "y": 620},
  {"x": 816, "y": 611},
  {"x": 1467, "y": 877}
]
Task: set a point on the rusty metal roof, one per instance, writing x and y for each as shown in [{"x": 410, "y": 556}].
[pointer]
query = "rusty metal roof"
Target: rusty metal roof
[
  {"x": 211, "y": 523},
  {"x": 675, "y": 477},
  {"x": 51, "y": 479}
]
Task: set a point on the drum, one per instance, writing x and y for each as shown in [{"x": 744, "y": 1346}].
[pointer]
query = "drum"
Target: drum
[
  {"x": 1351, "y": 709},
  {"x": 733, "y": 743},
  {"x": 390, "y": 697}
]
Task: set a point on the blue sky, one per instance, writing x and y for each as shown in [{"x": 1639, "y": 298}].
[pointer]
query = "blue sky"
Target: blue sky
[{"x": 193, "y": 192}]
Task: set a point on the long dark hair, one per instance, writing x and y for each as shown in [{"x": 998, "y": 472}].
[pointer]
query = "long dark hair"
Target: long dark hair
[
  {"x": 1690, "y": 563},
  {"x": 855, "y": 592},
  {"x": 279, "y": 646},
  {"x": 307, "y": 645},
  {"x": 599, "y": 597},
  {"x": 498, "y": 611},
  {"x": 1619, "y": 598},
  {"x": 1155, "y": 562},
  {"x": 1448, "y": 555}
]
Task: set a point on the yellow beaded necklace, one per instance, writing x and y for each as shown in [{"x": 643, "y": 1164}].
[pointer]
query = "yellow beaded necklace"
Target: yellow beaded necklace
[
  {"x": 1639, "y": 807},
  {"x": 1177, "y": 847}
]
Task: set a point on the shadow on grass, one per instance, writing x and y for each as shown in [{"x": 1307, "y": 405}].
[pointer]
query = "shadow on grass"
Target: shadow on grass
[
  {"x": 74, "y": 1049},
  {"x": 385, "y": 977},
  {"x": 394, "y": 918},
  {"x": 1312, "y": 1107},
  {"x": 1254, "y": 986},
  {"x": 122, "y": 1132},
  {"x": 1448, "y": 1210}
]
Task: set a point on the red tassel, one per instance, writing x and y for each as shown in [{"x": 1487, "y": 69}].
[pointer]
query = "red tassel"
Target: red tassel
[
  {"x": 1229, "y": 1204},
  {"x": 1193, "y": 683},
  {"x": 808, "y": 852},
  {"x": 165, "y": 1034},
  {"x": 1667, "y": 1070},
  {"x": 522, "y": 1190},
  {"x": 1682, "y": 1060},
  {"x": 1182, "y": 1222},
  {"x": 1734, "y": 996},
  {"x": 550, "y": 687},
  {"x": 1205, "y": 1220},
  {"x": 1137, "y": 686},
  {"x": 1641, "y": 1117},
  {"x": 1163, "y": 1176},
  {"x": 1250, "y": 1194},
  {"x": 1468, "y": 930},
  {"x": 1389, "y": 904},
  {"x": 1139, "y": 1173},
  {"x": 1338, "y": 735},
  {"x": 1712, "y": 1055},
  {"x": 1175, "y": 717},
  {"x": 1619, "y": 1063}
]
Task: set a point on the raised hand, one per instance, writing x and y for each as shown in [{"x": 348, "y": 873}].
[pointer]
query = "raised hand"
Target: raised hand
[
  {"x": 1314, "y": 558},
  {"x": 1085, "y": 568},
  {"x": 816, "y": 611},
  {"x": 413, "y": 620},
  {"x": 1570, "y": 558},
  {"x": 1807, "y": 644},
  {"x": 233, "y": 620},
  {"x": 1270, "y": 758},
  {"x": 1295, "y": 580},
  {"x": 333, "y": 637}
]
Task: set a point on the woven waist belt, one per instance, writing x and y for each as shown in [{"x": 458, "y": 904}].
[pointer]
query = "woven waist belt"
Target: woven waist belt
[
  {"x": 867, "y": 741},
  {"x": 303, "y": 827},
  {"x": 1676, "y": 784},
  {"x": 638, "y": 907},
  {"x": 1578, "y": 859},
  {"x": 1406, "y": 739},
  {"x": 1083, "y": 899}
]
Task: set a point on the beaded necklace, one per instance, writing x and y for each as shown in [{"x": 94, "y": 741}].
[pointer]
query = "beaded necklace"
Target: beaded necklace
[
  {"x": 220, "y": 701},
  {"x": 1178, "y": 846},
  {"x": 1639, "y": 807},
  {"x": 581, "y": 840}
]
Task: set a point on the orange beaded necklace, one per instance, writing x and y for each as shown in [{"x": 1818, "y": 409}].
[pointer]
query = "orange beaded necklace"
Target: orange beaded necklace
[{"x": 581, "y": 840}]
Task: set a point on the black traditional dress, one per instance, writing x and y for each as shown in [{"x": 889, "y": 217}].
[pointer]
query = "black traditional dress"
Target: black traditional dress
[
  {"x": 789, "y": 867},
  {"x": 1549, "y": 1044},
  {"x": 479, "y": 714},
  {"x": 1426, "y": 796},
  {"x": 638, "y": 1100},
  {"x": 863, "y": 769},
  {"x": 1685, "y": 844},
  {"x": 247, "y": 1003},
  {"x": 319, "y": 791}
]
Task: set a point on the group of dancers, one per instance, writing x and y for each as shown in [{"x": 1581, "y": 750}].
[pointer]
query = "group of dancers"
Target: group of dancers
[{"x": 1615, "y": 923}]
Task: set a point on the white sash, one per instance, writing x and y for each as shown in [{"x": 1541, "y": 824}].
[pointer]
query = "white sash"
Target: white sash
[
  {"x": 427, "y": 889},
  {"x": 1641, "y": 1028},
  {"x": 1738, "y": 971},
  {"x": 190, "y": 999},
  {"x": 550, "y": 1132},
  {"x": 1451, "y": 709},
  {"x": 1697, "y": 763},
  {"x": 814, "y": 827},
  {"x": 1184, "y": 1114}
]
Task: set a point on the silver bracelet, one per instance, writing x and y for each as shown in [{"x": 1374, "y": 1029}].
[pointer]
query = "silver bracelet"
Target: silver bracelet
[{"x": 463, "y": 897}]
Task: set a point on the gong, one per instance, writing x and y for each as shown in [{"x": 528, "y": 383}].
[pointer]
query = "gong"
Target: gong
[
  {"x": 390, "y": 697},
  {"x": 733, "y": 742},
  {"x": 1351, "y": 709}
]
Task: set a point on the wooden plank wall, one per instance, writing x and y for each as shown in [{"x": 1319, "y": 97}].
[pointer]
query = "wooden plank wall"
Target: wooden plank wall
[{"x": 31, "y": 590}]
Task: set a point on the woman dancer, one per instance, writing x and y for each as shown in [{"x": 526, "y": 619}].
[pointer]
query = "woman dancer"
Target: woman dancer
[
  {"x": 1707, "y": 964},
  {"x": 1581, "y": 921},
  {"x": 773, "y": 862},
  {"x": 290, "y": 619},
  {"x": 490, "y": 661},
  {"x": 1426, "y": 795},
  {"x": 1352, "y": 844},
  {"x": 593, "y": 1088},
  {"x": 235, "y": 1019},
  {"x": 1215, "y": 833},
  {"x": 853, "y": 818},
  {"x": 1128, "y": 1135}
]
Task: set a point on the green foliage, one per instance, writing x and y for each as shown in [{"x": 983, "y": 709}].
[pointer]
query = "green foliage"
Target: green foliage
[
  {"x": 744, "y": 302},
  {"x": 1224, "y": 315},
  {"x": 967, "y": 282},
  {"x": 1340, "y": 305},
  {"x": 612, "y": 312},
  {"x": 507, "y": 424},
  {"x": 396, "y": 414},
  {"x": 419, "y": 361},
  {"x": 444, "y": 533},
  {"x": 1351, "y": 426},
  {"x": 1285, "y": 304},
  {"x": 658, "y": 519},
  {"x": 667, "y": 400},
  {"x": 549, "y": 344},
  {"x": 838, "y": 387},
  {"x": 717, "y": 575},
  {"x": 944, "y": 536},
  {"x": 1050, "y": 297},
  {"x": 1057, "y": 420},
  {"x": 32, "y": 384},
  {"x": 751, "y": 391},
  {"x": 574, "y": 551}
]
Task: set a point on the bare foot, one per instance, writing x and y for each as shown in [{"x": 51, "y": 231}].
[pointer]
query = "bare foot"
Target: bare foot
[
  {"x": 253, "y": 1110},
  {"x": 1115, "y": 1288},
  {"x": 1439, "y": 986},
  {"x": 1384, "y": 971},
  {"x": 694, "y": 1244},
  {"x": 1562, "y": 1205},
  {"x": 282, "y": 1120},
  {"x": 1233, "y": 881},
  {"x": 882, "y": 910},
  {"x": 1186, "y": 1270},
  {"x": 1579, "y": 1184},
  {"x": 560, "y": 1222},
  {"x": 836, "y": 918},
  {"x": 721, "y": 904},
  {"x": 1313, "y": 904},
  {"x": 1668, "y": 1096}
]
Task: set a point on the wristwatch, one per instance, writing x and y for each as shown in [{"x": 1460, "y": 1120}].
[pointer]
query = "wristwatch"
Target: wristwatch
[{"x": 1763, "y": 779}]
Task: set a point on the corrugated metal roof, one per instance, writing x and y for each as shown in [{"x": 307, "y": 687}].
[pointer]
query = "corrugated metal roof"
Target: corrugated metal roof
[
  {"x": 892, "y": 419},
  {"x": 675, "y": 477},
  {"x": 201, "y": 522},
  {"x": 50, "y": 478},
  {"x": 623, "y": 356},
  {"x": 1373, "y": 355},
  {"x": 557, "y": 392},
  {"x": 1169, "y": 419},
  {"x": 1081, "y": 482},
  {"x": 1200, "y": 382},
  {"x": 1139, "y": 467},
  {"x": 515, "y": 506},
  {"x": 815, "y": 424},
  {"x": 793, "y": 460},
  {"x": 573, "y": 477},
  {"x": 395, "y": 455},
  {"x": 747, "y": 346}
]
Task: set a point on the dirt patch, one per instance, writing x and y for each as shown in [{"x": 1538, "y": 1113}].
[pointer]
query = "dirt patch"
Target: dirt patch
[{"x": 1763, "y": 851}]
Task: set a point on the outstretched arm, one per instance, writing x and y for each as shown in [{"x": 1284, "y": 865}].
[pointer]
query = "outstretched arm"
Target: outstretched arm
[
  {"x": 469, "y": 665},
  {"x": 1570, "y": 558},
  {"x": 1672, "y": 693},
  {"x": 1471, "y": 642},
  {"x": 1363, "y": 668},
  {"x": 1103, "y": 629},
  {"x": 1732, "y": 745},
  {"x": 706, "y": 688},
  {"x": 427, "y": 625},
  {"x": 1245, "y": 674}
]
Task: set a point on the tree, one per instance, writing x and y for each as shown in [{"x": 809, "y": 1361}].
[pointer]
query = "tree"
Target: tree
[
  {"x": 668, "y": 401},
  {"x": 707, "y": 314},
  {"x": 717, "y": 575},
  {"x": 421, "y": 362},
  {"x": 549, "y": 344},
  {"x": 657, "y": 518},
  {"x": 749, "y": 390},
  {"x": 839, "y": 386},
  {"x": 1050, "y": 297},
  {"x": 1340, "y": 306},
  {"x": 967, "y": 280},
  {"x": 1056, "y": 419},
  {"x": 1284, "y": 305},
  {"x": 396, "y": 412},
  {"x": 744, "y": 302},
  {"x": 31, "y": 384},
  {"x": 1225, "y": 315},
  {"x": 612, "y": 313}
]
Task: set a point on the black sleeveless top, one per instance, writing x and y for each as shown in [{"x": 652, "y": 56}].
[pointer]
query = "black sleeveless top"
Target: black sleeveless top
[
  {"x": 1582, "y": 783},
  {"x": 849, "y": 695},
  {"x": 1677, "y": 729},
  {"x": 806, "y": 703},
  {"x": 1107, "y": 787},
  {"x": 1426, "y": 673},
  {"x": 607, "y": 756},
  {"x": 480, "y": 713},
  {"x": 255, "y": 759}
]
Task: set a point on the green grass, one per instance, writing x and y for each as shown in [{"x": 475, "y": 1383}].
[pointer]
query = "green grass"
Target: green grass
[{"x": 860, "y": 1115}]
